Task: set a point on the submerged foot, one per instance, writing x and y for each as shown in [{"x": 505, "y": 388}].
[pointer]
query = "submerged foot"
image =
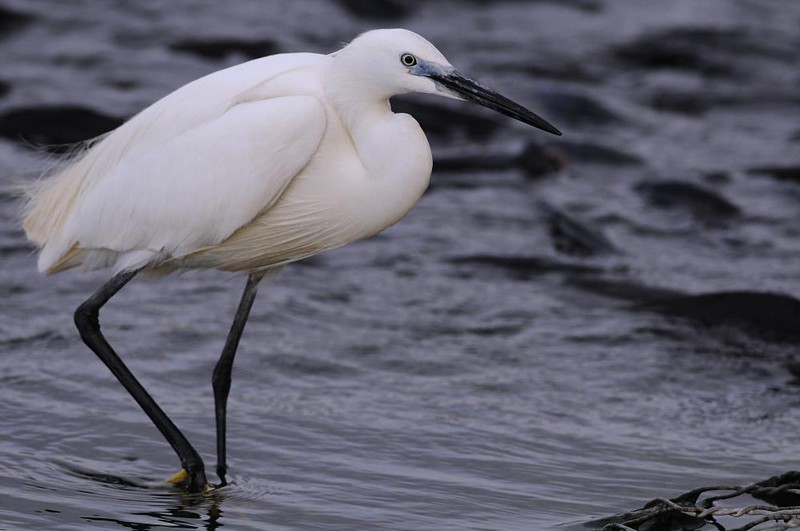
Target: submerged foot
[
  {"x": 192, "y": 481},
  {"x": 222, "y": 470}
]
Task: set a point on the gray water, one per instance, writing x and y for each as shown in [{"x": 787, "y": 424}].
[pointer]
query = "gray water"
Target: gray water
[{"x": 519, "y": 352}]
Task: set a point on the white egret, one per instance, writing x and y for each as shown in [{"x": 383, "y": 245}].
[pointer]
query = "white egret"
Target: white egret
[{"x": 246, "y": 170}]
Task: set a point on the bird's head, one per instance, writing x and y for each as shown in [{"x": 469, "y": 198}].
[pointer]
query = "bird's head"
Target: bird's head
[{"x": 389, "y": 62}]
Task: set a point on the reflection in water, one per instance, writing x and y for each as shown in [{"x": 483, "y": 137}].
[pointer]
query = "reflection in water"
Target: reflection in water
[{"x": 176, "y": 509}]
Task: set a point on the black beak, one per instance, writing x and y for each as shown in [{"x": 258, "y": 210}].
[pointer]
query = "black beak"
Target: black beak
[{"x": 473, "y": 91}]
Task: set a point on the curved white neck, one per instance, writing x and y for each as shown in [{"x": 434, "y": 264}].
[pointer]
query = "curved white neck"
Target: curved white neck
[{"x": 391, "y": 147}]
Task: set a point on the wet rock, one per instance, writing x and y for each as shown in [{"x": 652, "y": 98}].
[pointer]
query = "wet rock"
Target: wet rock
[
  {"x": 573, "y": 237},
  {"x": 441, "y": 119},
  {"x": 782, "y": 173},
  {"x": 11, "y": 21},
  {"x": 55, "y": 127},
  {"x": 221, "y": 48},
  {"x": 575, "y": 108},
  {"x": 386, "y": 10},
  {"x": 594, "y": 153},
  {"x": 656, "y": 515},
  {"x": 770, "y": 315},
  {"x": 701, "y": 203},
  {"x": 779, "y": 490}
]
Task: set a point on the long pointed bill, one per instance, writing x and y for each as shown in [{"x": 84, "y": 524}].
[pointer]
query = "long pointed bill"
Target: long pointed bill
[{"x": 473, "y": 91}]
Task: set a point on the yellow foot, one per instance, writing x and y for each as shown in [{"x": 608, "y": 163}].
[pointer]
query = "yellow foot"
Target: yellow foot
[{"x": 179, "y": 477}]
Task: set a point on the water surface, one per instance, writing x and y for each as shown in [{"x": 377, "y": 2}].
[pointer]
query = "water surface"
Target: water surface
[{"x": 521, "y": 351}]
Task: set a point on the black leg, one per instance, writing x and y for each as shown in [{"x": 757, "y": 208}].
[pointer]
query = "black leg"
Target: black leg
[
  {"x": 87, "y": 321},
  {"x": 221, "y": 380}
]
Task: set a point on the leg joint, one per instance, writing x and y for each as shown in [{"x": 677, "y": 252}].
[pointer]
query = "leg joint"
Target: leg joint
[
  {"x": 86, "y": 316},
  {"x": 221, "y": 379}
]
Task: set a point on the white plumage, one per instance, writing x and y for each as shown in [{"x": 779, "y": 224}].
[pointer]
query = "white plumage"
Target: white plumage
[{"x": 246, "y": 169}]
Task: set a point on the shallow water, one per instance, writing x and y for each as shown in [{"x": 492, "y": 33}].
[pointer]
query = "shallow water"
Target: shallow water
[{"x": 520, "y": 352}]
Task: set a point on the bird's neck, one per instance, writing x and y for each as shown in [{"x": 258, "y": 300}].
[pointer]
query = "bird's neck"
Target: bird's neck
[
  {"x": 392, "y": 148},
  {"x": 368, "y": 118}
]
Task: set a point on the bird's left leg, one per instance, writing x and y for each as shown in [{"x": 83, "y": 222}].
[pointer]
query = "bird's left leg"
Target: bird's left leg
[
  {"x": 221, "y": 380},
  {"x": 87, "y": 320}
]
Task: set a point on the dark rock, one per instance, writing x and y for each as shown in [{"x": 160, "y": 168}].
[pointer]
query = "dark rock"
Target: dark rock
[
  {"x": 654, "y": 516},
  {"x": 221, "y": 48},
  {"x": 701, "y": 203},
  {"x": 5, "y": 88},
  {"x": 576, "y": 108},
  {"x": 657, "y": 515},
  {"x": 384, "y": 10},
  {"x": 439, "y": 118},
  {"x": 55, "y": 127},
  {"x": 673, "y": 521},
  {"x": 594, "y": 153},
  {"x": 783, "y": 173},
  {"x": 770, "y": 315},
  {"x": 11, "y": 21},
  {"x": 573, "y": 237},
  {"x": 778, "y": 490}
]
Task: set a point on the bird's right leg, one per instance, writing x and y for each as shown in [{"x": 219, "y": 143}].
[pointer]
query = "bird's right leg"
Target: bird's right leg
[
  {"x": 221, "y": 381},
  {"x": 87, "y": 321}
]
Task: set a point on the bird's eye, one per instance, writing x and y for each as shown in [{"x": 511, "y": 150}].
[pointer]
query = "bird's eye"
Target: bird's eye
[{"x": 408, "y": 60}]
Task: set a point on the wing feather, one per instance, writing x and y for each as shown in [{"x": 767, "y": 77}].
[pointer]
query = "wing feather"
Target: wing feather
[{"x": 197, "y": 188}]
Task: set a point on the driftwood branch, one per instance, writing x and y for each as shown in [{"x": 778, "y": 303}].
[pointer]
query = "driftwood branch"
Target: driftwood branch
[{"x": 693, "y": 510}]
